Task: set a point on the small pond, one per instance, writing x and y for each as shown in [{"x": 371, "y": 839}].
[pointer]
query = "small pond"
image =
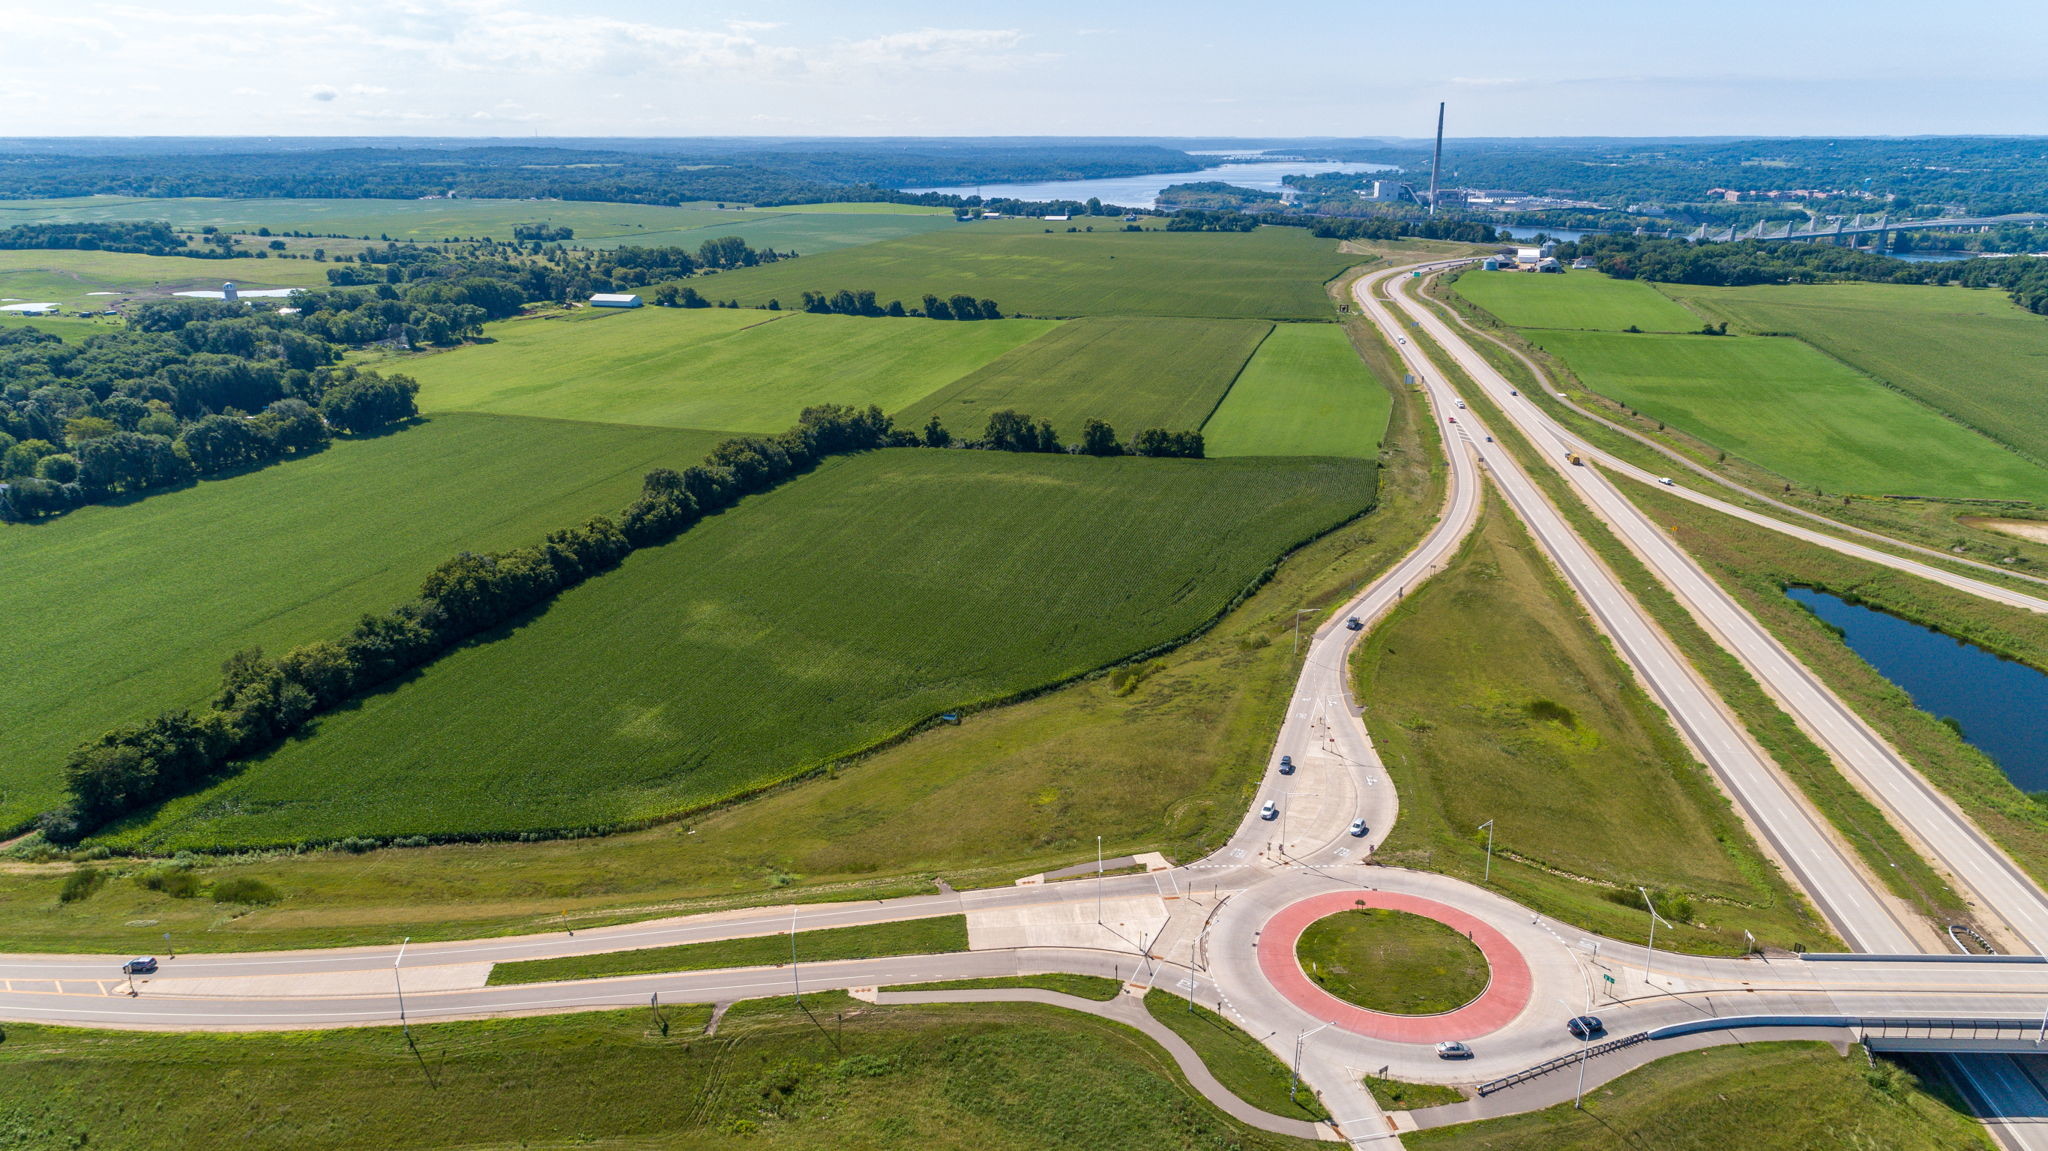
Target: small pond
[{"x": 2001, "y": 705}]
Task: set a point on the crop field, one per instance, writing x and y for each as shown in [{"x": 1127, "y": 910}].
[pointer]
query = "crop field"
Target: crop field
[
  {"x": 1973, "y": 354},
  {"x": 811, "y": 228},
  {"x": 1305, "y": 393},
  {"x": 1807, "y": 417},
  {"x": 116, "y": 612},
  {"x": 1273, "y": 273},
  {"x": 744, "y": 370},
  {"x": 806, "y": 624},
  {"x": 93, "y": 279},
  {"x": 1133, "y": 372},
  {"x": 1492, "y": 698},
  {"x": 1581, "y": 299}
]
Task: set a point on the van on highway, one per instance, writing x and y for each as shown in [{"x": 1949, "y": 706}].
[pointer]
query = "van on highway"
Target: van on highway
[{"x": 1460, "y": 403}]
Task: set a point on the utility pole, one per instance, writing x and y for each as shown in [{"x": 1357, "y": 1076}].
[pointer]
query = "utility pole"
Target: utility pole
[
  {"x": 1301, "y": 1037},
  {"x": 1298, "y": 613},
  {"x": 795, "y": 980},
  {"x": 1487, "y": 827},
  {"x": 1437, "y": 162},
  {"x": 1098, "y": 881}
]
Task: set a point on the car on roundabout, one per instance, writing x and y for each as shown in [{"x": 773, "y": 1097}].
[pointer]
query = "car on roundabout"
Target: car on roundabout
[
  {"x": 1585, "y": 1027},
  {"x": 1270, "y": 812},
  {"x": 1286, "y": 765},
  {"x": 1452, "y": 1049}
]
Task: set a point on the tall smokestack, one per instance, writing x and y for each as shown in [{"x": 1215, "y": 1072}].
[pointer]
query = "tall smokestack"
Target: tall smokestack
[{"x": 1438, "y": 161}]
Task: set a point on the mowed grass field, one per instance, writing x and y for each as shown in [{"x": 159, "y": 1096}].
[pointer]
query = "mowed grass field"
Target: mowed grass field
[
  {"x": 1801, "y": 414},
  {"x": 71, "y": 278},
  {"x": 1973, "y": 354},
  {"x": 1134, "y": 372},
  {"x": 115, "y": 613},
  {"x": 743, "y": 370},
  {"x": 1581, "y": 299},
  {"x": 1273, "y": 273},
  {"x": 1305, "y": 393},
  {"x": 1493, "y": 698},
  {"x": 808, "y": 228},
  {"x": 806, "y": 624}
]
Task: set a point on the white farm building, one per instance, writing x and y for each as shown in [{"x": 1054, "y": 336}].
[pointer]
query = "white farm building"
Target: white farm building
[{"x": 615, "y": 300}]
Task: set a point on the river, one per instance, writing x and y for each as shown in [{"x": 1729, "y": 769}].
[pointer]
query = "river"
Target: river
[
  {"x": 1141, "y": 191},
  {"x": 2001, "y": 705}
]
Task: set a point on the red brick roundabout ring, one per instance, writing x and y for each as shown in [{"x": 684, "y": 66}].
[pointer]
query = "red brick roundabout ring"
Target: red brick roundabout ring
[{"x": 1506, "y": 994}]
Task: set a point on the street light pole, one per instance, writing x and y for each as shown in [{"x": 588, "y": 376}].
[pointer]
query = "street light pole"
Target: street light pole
[
  {"x": 795, "y": 978},
  {"x": 1487, "y": 827},
  {"x": 1654, "y": 917},
  {"x": 1298, "y": 613},
  {"x": 399, "y": 985},
  {"x": 1098, "y": 881},
  {"x": 1300, "y": 1038}
]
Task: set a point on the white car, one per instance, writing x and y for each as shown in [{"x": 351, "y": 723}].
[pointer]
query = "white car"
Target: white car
[
  {"x": 1270, "y": 811},
  {"x": 1358, "y": 829},
  {"x": 1665, "y": 480},
  {"x": 1452, "y": 1049}
]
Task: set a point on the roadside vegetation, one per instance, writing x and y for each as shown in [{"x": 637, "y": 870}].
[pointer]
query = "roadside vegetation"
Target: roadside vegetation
[
  {"x": 1492, "y": 697},
  {"x": 1583, "y": 300},
  {"x": 1241, "y": 1063},
  {"x": 953, "y": 1077},
  {"x": 1395, "y": 1095},
  {"x": 1392, "y": 961},
  {"x": 1304, "y": 393},
  {"x": 1764, "y": 1097},
  {"x": 935, "y": 936}
]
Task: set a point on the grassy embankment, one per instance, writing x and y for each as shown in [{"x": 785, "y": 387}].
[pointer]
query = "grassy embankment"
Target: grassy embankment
[
  {"x": 1756, "y": 565},
  {"x": 1133, "y": 372},
  {"x": 1392, "y": 961},
  {"x": 810, "y": 623},
  {"x": 1304, "y": 393},
  {"x": 1097, "y": 987},
  {"x": 1778, "y": 402},
  {"x": 741, "y": 371},
  {"x": 1760, "y": 1097},
  {"x": 1492, "y": 697},
  {"x": 1396, "y": 1095},
  {"x": 938, "y": 935},
  {"x": 1273, "y": 273},
  {"x": 1889, "y": 858},
  {"x": 1907, "y": 336},
  {"x": 1156, "y": 759},
  {"x": 119, "y": 611},
  {"x": 71, "y": 278},
  {"x": 953, "y": 1077},
  {"x": 1242, "y": 1064}
]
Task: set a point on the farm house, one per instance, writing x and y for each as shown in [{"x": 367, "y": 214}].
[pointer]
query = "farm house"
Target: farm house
[{"x": 615, "y": 300}]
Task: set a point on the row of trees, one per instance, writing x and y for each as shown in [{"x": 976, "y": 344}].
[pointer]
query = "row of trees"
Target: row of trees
[
  {"x": 1400, "y": 227},
  {"x": 1013, "y": 431},
  {"x": 146, "y": 237},
  {"x": 845, "y": 302},
  {"x": 264, "y": 699}
]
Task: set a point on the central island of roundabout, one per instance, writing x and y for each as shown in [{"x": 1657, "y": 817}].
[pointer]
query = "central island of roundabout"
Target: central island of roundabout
[{"x": 1507, "y": 988}]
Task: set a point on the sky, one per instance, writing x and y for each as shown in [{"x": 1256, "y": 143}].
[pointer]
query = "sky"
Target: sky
[{"x": 856, "y": 68}]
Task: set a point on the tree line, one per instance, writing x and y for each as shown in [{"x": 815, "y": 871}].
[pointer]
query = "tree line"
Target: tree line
[
  {"x": 143, "y": 237},
  {"x": 263, "y": 699}
]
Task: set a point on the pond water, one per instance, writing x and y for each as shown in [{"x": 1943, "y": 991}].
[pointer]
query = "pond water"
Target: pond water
[
  {"x": 2001, "y": 705},
  {"x": 1141, "y": 191}
]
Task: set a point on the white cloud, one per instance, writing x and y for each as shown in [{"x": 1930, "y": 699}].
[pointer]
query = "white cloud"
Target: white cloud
[
  {"x": 323, "y": 92},
  {"x": 945, "y": 47}
]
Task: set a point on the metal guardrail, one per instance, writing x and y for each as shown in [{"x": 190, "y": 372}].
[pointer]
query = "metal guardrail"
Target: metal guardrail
[
  {"x": 1948, "y": 1028},
  {"x": 1562, "y": 1061},
  {"x": 1861, "y": 957}
]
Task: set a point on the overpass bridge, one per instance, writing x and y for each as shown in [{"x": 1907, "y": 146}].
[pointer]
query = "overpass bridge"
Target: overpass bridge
[{"x": 1847, "y": 229}]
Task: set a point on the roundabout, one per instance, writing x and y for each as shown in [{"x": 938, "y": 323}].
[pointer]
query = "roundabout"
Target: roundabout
[{"x": 1507, "y": 992}]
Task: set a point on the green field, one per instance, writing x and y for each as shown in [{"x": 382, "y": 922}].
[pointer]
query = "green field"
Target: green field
[
  {"x": 935, "y": 936},
  {"x": 118, "y": 612},
  {"x": 1305, "y": 393},
  {"x": 1492, "y": 697},
  {"x": 73, "y": 278},
  {"x": 1273, "y": 273},
  {"x": 1133, "y": 372},
  {"x": 1973, "y": 354},
  {"x": 809, "y": 623},
  {"x": 1581, "y": 299},
  {"x": 1757, "y": 1096},
  {"x": 1241, "y": 1063},
  {"x": 806, "y": 228},
  {"x": 1392, "y": 961},
  {"x": 1788, "y": 408},
  {"x": 966, "y": 1077},
  {"x": 745, "y": 370}
]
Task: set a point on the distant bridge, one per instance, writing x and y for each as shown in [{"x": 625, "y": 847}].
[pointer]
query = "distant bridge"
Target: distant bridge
[{"x": 1846, "y": 228}]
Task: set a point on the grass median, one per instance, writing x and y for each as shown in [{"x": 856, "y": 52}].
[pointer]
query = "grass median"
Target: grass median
[
  {"x": 1239, "y": 1062},
  {"x": 936, "y": 936},
  {"x": 1093, "y": 987}
]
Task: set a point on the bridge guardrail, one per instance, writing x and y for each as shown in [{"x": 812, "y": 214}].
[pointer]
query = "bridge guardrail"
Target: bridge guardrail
[{"x": 1548, "y": 1066}]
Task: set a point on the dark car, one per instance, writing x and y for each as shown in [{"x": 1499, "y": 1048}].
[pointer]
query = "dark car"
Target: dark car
[
  {"x": 142, "y": 966},
  {"x": 1353, "y": 624},
  {"x": 1585, "y": 1027},
  {"x": 1286, "y": 765}
]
